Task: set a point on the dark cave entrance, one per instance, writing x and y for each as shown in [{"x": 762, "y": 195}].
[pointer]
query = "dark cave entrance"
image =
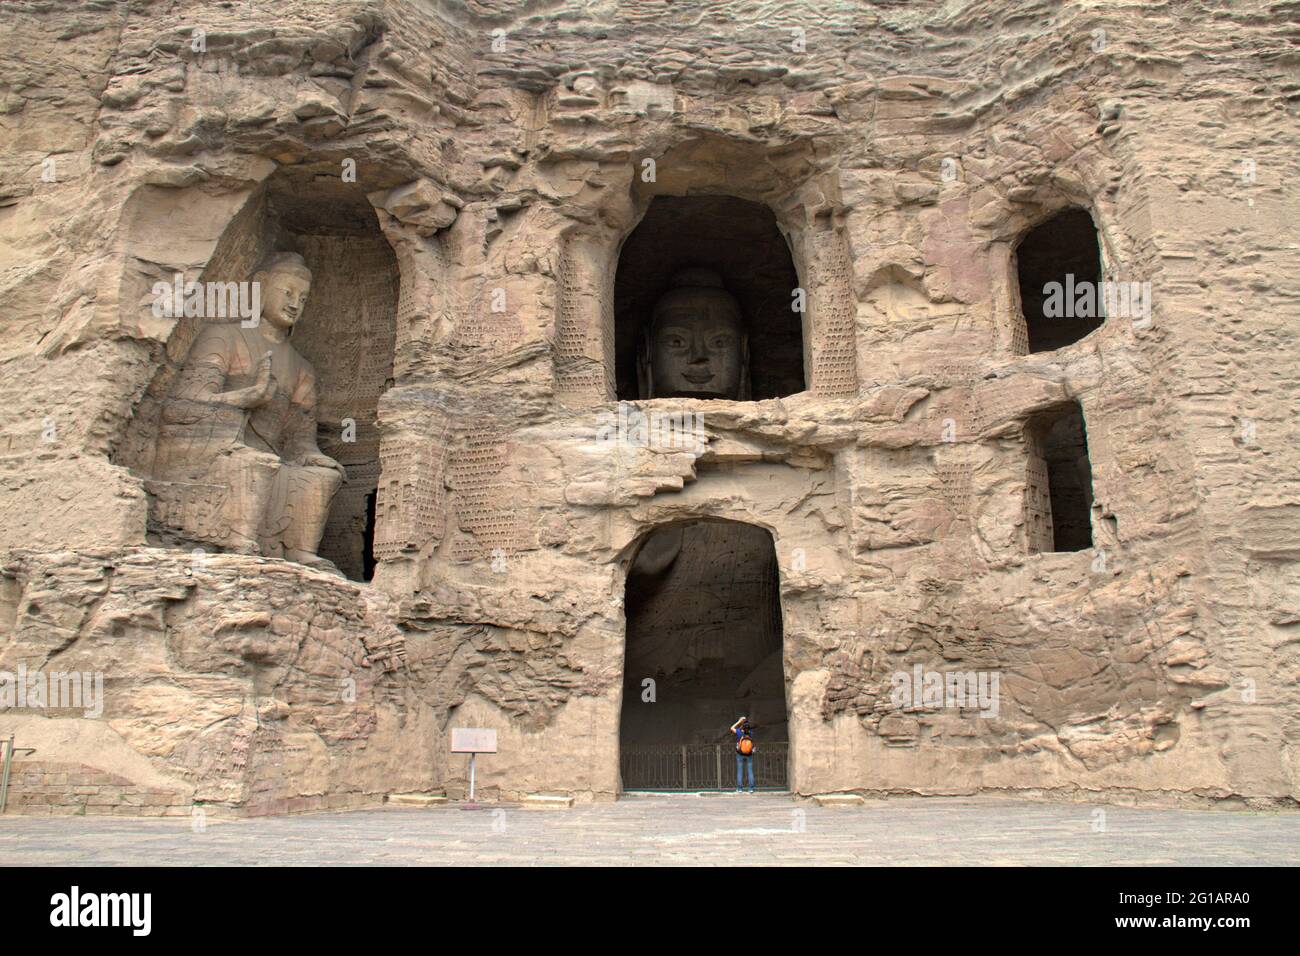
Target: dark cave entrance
[
  {"x": 1059, "y": 485},
  {"x": 704, "y": 646},
  {"x": 1063, "y": 251}
]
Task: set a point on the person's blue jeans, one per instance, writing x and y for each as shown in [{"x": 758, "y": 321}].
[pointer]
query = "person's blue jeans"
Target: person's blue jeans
[{"x": 742, "y": 763}]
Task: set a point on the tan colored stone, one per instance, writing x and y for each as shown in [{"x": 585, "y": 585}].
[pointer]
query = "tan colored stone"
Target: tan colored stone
[
  {"x": 464, "y": 212},
  {"x": 417, "y": 799}
]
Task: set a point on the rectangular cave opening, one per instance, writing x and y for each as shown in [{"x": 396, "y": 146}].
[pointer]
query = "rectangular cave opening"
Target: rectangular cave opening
[{"x": 1058, "y": 493}]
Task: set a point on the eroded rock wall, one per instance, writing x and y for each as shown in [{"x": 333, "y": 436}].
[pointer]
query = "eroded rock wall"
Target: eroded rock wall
[{"x": 904, "y": 150}]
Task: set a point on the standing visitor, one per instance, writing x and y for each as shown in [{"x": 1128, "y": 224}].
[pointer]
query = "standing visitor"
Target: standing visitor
[{"x": 743, "y": 730}]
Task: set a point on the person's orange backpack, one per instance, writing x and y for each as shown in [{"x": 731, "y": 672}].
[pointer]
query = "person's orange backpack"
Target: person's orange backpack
[{"x": 746, "y": 746}]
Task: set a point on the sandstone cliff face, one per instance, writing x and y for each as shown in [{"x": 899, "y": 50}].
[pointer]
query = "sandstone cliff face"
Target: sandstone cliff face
[{"x": 465, "y": 175}]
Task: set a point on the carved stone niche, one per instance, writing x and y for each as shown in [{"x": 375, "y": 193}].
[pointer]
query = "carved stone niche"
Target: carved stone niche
[
  {"x": 768, "y": 224},
  {"x": 733, "y": 244},
  {"x": 343, "y": 334}
]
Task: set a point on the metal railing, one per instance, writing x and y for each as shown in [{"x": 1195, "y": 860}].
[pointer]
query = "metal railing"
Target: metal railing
[
  {"x": 7, "y": 751},
  {"x": 694, "y": 767}
]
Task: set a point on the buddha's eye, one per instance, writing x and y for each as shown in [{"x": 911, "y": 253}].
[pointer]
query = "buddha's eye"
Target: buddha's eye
[
  {"x": 720, "y": 341},
  {"x": 675, "y": 342}
]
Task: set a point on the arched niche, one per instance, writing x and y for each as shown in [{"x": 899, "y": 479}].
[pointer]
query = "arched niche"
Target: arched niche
[
  {"x": 704, "y": 645},
  {"x": 346, "y": 331},
  {"x": 707, "y": 183},
  {"x": 1068, "y": 224},
  {"x": 738, "y": 242}
]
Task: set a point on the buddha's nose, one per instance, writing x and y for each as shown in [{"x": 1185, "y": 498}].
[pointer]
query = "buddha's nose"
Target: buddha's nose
[{"x": 698, "y": 352}]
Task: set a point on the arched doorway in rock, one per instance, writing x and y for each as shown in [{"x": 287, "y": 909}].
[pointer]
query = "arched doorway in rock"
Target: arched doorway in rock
[{"x": 704, "y": 646}]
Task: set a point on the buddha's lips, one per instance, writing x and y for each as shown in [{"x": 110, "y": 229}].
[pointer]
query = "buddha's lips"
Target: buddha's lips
[{"x": 698, "y": 378}]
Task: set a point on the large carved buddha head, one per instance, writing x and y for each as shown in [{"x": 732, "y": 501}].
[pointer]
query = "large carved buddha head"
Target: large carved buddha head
[
  {"x": 283, "y": 282},
  {"x": 695, "y": 345}
]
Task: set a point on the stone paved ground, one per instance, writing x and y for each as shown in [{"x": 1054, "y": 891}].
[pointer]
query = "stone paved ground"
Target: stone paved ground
[{"x": 681, "y": 829}]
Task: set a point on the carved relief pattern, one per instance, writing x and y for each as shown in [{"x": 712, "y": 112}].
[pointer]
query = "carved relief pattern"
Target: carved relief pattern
[
  {"x": 481, "y": 328},
  {"x": 834, "y": 314},
  {"x": 409, "y": 509},
  {"x": 1038, "y": 503},
  {"x": 584, "y": 339},
  {"x": 955, "y": 486},
  {"x": 1019, "y": 335},
  {"x": 197, "y": 508},
  {"x": 348, "y": 333},
  {"x": 483, "y": 500}
]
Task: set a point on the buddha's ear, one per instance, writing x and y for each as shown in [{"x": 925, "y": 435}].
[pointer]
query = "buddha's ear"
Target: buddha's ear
[
  {"x": 744, "y": 367},
  {"x": 644, "y": 367}
]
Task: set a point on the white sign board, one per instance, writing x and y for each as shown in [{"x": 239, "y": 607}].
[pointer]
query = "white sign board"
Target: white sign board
[{"x": 473, "y": 740}]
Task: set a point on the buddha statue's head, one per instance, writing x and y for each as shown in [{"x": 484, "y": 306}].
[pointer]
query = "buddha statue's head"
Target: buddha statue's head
[
  {"x": 283, "y": 283},
  {"x": 695, "y": 344}
]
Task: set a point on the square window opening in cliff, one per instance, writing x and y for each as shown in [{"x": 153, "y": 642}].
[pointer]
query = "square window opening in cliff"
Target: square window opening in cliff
[
  {"x": 704, "y": 646},
  {"x": 1058, "y": 494},
  {"x": 1058, "y": 267},
  {"x": 704, "y": 302}
]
